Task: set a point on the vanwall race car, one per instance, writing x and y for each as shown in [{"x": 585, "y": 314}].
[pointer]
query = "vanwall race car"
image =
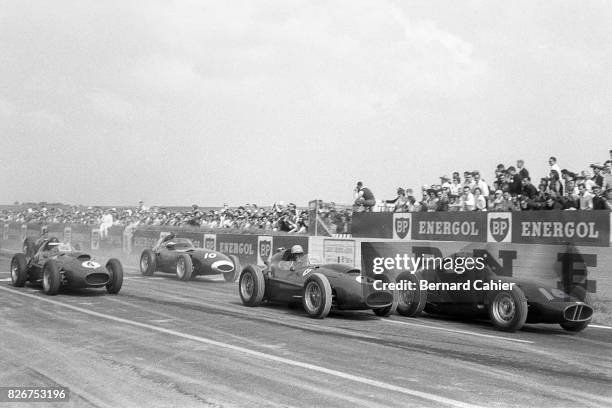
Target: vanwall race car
[
  {"x": 179, "y": 256},
  {"x": 479, "y": 293},
  {"x": 56, "y": 264},
  {"x": 319, "y": 288}
]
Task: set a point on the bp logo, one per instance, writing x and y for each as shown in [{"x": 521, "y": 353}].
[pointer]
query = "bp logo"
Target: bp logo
[
  {"x": 402, "y": 226},
  {"x": 499, "y": 227},
  {"x": 265, "y": 248}
]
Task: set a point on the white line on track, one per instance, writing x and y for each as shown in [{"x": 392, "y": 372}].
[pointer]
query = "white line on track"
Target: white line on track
[
  {"x": 458, "y": 331},
  {"x": 340, "y": 374},
  {"x": 599, "y": 326}
]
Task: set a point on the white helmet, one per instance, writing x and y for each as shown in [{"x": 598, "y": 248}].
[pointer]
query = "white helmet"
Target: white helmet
[{"x": 297, "y": 249}]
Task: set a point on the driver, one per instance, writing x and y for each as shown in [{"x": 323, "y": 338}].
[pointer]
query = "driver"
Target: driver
[
  {"x": 49, "y": 249},
  {"x": 297, "y": 254},
  {"x": 165, "y": 239}
]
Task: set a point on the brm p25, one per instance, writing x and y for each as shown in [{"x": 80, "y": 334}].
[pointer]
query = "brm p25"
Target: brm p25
[{"x": 405, "y": 262}]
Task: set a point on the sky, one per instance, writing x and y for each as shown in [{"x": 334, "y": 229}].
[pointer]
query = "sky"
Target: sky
[{"x": 212, "y": 102}]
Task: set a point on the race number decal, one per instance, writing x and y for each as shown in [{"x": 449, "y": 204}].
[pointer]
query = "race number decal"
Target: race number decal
[
  {"x": 307, "y": 271},
  {"x": 90, "y": 264}
]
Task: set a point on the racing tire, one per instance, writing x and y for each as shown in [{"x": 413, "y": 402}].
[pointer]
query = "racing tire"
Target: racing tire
[
  {"x": 184, "y": 267},
  {"x": 317, "y": 298},
  {"x": 148, "y": 264},
  {"x": 508, "y": 309},
  {"x": 387, "y": 310},
  {"x": 52, "y": 278},
  {"x": 411, "y": 302},
  {"x": 29, "y": 248},
  {"x": 233, "y": 275},
  {"x": 115, "y": 270},
  {"x": 252, "y": 285},
  {"x": 575, "y": 327},
  {"x": 19, "y": 270}
]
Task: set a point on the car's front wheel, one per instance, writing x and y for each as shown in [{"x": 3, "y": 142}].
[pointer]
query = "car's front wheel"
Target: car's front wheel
[
  {"x": 317, "y": 298},
  {"x": 387, "y": 310},
  {"x": 184, "y": 267},
  {"x": 115, "y": 270},
  {"x": 413, "y": 299},
  {"x": 147, "y": 262},
  {"x": 19, "y": 270},
  {"x": 508, "y": 309},
  {"x": 52, "y": 278},
  {"x": 252, "y": 286}
]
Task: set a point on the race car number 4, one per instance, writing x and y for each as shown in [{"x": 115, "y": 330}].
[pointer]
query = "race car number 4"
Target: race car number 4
[{"x": 90, "y": 264}]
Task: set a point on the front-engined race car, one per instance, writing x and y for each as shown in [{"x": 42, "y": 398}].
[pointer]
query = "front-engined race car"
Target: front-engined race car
[
  {"x": 319, "y": 288},
  {"x": 56, "y": 264},
  {"x": 178, "y": 255},
  {"x": 479, "y": 293}
]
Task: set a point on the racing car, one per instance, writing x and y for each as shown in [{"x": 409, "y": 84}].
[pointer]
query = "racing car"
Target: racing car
[
  {"x": 56, "y": 264},
  {"x": 289, "y": 277},
  {"x": 480, "y": 293},
  {"x": 177, "y": 255}
]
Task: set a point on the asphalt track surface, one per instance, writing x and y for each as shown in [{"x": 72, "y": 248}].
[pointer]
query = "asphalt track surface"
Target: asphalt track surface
[{"x": 165, "y": 343}]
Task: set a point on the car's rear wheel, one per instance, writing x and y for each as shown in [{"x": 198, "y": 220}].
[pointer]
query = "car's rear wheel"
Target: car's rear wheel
[
  {"x": 52, "y": 279},
  {"x": 252, "y": 285},
  {"x": 411, "y": 302},
  {"x": 387, "y": 310},
  {"x": 148, "y": 265},
  {"x": 184, "y": 267},
  {"x": 317, "y": 299},
  {"x": 508, "y": 309},
  {"x": 115, "y": 270},
  {"x": 19, "y": 270},
  {"x": 580, "y": 293}
]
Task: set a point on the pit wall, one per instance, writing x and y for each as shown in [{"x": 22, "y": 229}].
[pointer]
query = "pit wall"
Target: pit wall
[{"x": 554, "y": 264}]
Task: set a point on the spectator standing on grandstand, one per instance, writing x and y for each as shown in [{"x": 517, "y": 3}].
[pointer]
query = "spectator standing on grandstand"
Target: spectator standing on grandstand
[
  {"x": 455, "y": 185},
  {"x": 585, "y": 198},
  {"x": 554, "y": 184},
  {"x": 399, "y": 202},
  {"x": 443, "y": 202},
  {"x": 599, "y": 201},
  {"x": 607, "y": 176},
  {"x": 480, "y": 183},
  {"x": 514, "y": 182},
  {"x": 608, "y": 201},
  {"x": 500, "y": 172},
  {"x": 479, "y": 200},
  {"x": 496, "y": 200},
  {"x": 363, "y": 198},
  {"x": 552, "y": 162},
  {"x": 528, "y": 189},
  {"x": 469, "y": 180},
  {"x": 522, "y": 171},
  {"x": 598, "y": 177},
  {"x": 431, "y": 202},
  {"x": 467, "y": 199},
  {"x": 445, "y": 181}
]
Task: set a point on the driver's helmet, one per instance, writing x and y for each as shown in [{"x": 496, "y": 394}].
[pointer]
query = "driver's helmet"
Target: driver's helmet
[
  {"x": 297, "y": 252},
  {"x": 52, "y": 244}
]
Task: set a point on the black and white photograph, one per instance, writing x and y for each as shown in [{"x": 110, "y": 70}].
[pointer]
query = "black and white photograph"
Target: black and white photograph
[{"x": 305, "y": 203}]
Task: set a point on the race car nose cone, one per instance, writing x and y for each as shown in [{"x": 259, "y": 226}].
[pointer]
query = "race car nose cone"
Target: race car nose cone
[{"x": 222, "y": 266}]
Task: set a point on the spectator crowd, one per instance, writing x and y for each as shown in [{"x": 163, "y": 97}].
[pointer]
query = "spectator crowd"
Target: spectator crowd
[
  {"x": 512, "y": 189},
  {"x": 278, "y": 218}
]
